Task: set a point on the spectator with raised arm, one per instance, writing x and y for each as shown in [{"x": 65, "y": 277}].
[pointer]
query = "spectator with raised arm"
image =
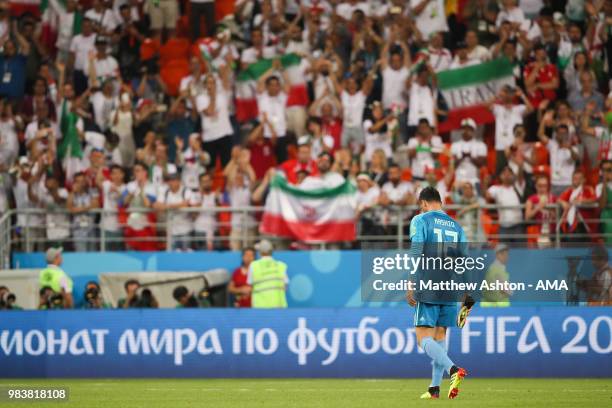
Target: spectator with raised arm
[{"x": 271, "y": 102}]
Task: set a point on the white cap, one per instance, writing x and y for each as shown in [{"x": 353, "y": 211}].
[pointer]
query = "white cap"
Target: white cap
[
  {"x": 500, "y": 248},
  {"x": 52, "y": 253},
  {"x": 468, "y": 122},
  {"x": 264, "y": 246}
]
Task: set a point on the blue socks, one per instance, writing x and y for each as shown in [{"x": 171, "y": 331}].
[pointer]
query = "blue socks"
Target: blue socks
[
  {"x": 437, "y": 371},
  {"x": 437, "y": 353}
]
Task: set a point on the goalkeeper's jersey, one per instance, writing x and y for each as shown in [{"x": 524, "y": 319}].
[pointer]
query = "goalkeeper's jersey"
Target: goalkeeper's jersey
[{"x": 435, "y": 234}]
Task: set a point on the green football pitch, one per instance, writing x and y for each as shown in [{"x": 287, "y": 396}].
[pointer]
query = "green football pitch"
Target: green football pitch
[{"x": 171, "y": 393}]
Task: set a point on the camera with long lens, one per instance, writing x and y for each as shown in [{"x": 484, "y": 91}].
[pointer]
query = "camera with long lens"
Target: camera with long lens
[
  {"x": 7, "y": 300},
  {"x": 91, "y": 295}
]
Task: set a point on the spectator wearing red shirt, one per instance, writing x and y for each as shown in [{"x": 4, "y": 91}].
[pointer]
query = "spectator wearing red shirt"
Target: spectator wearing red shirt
[
  {"x": 535, "y": 209},
  {"x": 574, "y": 220},
  {"x": 238, "y": 286},
  {"x": 262, "y": 152},
  {"x": 541, "y": 78},
  {"x": 303, "y": 162}
]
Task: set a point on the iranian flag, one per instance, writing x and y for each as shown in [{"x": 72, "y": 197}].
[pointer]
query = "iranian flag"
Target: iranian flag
[
  {"x": 50, "y": 11},
  {"x": 310, "y": 212},
  {"x": 246, "y": 85},
  {"x": 467, "y": 90}
]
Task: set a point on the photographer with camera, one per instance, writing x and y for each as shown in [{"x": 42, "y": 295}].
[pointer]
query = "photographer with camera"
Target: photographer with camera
[
  {"x": 134, "y": 300},
  {"x": 93, "y": 297},
  {"x": 48, "y": 299},
  {"x": 184, "y": 297},
  {"x": 56, "y": 279},
  {"x": 7, "y": 299}
]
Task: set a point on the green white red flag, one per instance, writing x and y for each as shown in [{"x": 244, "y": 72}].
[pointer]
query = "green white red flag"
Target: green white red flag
[
  {"x": 320, "y": 214},
  {"x": 467, "y": 90}
]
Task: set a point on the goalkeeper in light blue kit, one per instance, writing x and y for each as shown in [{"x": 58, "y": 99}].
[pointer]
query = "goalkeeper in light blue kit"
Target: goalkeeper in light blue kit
[{"x": 429, "y": 231}]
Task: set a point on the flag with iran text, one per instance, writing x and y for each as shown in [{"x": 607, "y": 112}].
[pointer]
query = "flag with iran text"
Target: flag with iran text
[
  {"x": 311, "y": 212},
  {"x": 467, "y": 91},
  {"x": 246, "y": 85}
]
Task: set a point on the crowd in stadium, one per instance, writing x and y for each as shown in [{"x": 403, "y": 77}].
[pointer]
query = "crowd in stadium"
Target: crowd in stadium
[{"x": 127, "y": 104}]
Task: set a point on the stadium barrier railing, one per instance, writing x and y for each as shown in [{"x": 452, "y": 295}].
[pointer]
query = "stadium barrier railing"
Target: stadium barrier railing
[{"x": 29, "y": 230}]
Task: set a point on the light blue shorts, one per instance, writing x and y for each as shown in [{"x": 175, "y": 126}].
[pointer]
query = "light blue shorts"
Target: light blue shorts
[{"x": 433, "y": 315}]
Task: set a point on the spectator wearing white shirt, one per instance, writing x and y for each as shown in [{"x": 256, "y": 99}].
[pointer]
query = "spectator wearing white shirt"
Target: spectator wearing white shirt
[
  {"x": 65, "y": 26},
  {"x": 423, "y": 149},
  {"x": 469, "y": 154},
  {"x": 423, "y": 99},
  {"x": 53, "y": 199},
  {"x": 205, "y": 223},
  {"x": 81, "y": 200},
  {"x": 112, "y": 191},
  {"x": 27, "y": 225},
  {"x": 139, "y": 195},
  {"x": 346, "y": 8},
  {"x": 272, "y": 103},
  {"x": 377, "y": 132},
  {"x": 100, "y": 66},
  {"x": 161, "y": 166},
  {"x": 474, "y": 49},
  {"x": 258, "y": 50},
  {"x": 103, "y": 18},
  {"x": 319, "y": 142},
  {"x": 42, "y": 132},
  {"x": 510, "y": 12},
  {"x": 462, "y": 58},
  {"x": 508, "y": 194},
  {"x": 173, "y": 197},
  {"x": 395, "y": 191},
  {"x": 430, "y": 16},
  {"x": 395, "y": 69},
  {"x": 217, "y": 131},
  {"x": 192, "y": 85},
  {"x": 367, "y": 196},
  {"x": 240, "y": 179},
  {"x": 192, "y": 161},
  {"x": 353, "y": 99},
  {"x": 563, "y": 156},
  {"x": 81, "y": 46},
  {"x": 439, "y": 57},
  {"x": 507, "y": 116},
  {"x": 104, "y": 103}
]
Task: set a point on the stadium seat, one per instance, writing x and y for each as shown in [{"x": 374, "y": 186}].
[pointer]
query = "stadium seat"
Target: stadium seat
[
  {"x": 149, "y": 49},
  {"x": 172, "y": 72},
  {"x": 174, "y": 49},
  {"x": 490, "y": 227}
]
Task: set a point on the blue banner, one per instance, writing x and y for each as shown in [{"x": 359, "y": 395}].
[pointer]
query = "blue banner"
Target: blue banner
[
  {"x": 316, "y": 278},
  {"x": 330, "y": 278},
  {"x": 357, "y": 342}
]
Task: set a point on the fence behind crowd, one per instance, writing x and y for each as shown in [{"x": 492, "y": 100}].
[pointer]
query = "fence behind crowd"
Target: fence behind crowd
[{"x": 236, "y": 228}]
